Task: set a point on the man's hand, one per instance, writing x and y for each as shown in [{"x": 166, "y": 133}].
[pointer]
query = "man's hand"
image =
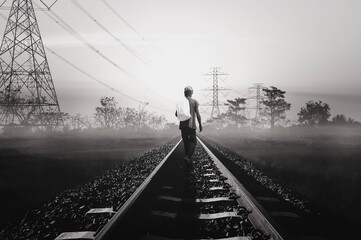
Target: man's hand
[{"x": 200, "y": 128}]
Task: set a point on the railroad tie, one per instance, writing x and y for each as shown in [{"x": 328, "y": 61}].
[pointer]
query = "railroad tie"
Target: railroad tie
[
  {"x": 196, "y": 200},
  {"x": 76, "y": 235},
  {"x": 200, "y": 216},
  {"x": 218, "y": 189},
  {"x": 100, "y": 211},
  {"x": 151, "y": 237}
]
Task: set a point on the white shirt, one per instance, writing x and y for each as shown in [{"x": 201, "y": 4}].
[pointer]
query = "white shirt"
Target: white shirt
[{"x": 183, "y": 110}]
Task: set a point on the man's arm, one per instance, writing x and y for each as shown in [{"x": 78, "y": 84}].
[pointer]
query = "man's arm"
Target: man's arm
[{"x": 199, "y": 118}]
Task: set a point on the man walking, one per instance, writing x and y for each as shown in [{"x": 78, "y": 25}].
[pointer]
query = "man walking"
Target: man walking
[{"x": 187, "y": 123}]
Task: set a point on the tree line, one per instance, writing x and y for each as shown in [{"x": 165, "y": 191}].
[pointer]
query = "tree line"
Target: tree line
[
  {"x": 273, "y": 113},
  {"x": 110, "y": 116}
]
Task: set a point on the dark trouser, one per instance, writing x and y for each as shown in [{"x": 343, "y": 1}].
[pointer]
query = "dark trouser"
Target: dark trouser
[{"x": 189, "y": 140}]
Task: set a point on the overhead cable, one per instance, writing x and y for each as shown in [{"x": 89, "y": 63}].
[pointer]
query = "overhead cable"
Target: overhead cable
[
  {"x": 75, "y": 34},
  {"x": 129, "y": 49},
  {"x": 70, "y": 30},
  {"x": 130, "y": 26},
  {"x": 90, "y": 76},
  {"x": 99, "y": 81},
  {"x": 94, "y": 78}
]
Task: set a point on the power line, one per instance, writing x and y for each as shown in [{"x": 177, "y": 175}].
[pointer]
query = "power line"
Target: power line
[
  {"x": 94, "y": 78},
  {"x": 2, "y": 3},
  {"x": 99, "y": 81},
  {"x": 234, "y": 89},
  {"x": 90, "y": 76},
  {"x": 75, "y": 34},
  {"x": 131, "y": 27},
  {"x": 57, "y": 19},
  {"x": 70, "y": 30},
  {"x": 129, "y": 49},
  {"x": 115, "y": 38}
]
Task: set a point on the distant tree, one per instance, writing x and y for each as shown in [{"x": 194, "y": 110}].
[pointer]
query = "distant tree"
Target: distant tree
[
  {"x": 235, "y": 112},
  {"x": 130, "y": 118},
  {"x": 78, "y": 122},
  {"x": 258, "y": 123},
  {"x": 109, "y": 116},
  {"x": 314, "y": 113},
  {"x": 341, "y": 119},
  {"x": 133, "y": 119},
  {"x": 12, "y": 102},
  {"x": 274, "y": 105},
  {"x": 86, "y": 121},
  {"x": 352, "y": 121},
  {"x": 218, "y": 122},
  {"x": 156, "y": 121},
  {"x": 108, "y": 113},
  {"x": 25, "y": 113}
]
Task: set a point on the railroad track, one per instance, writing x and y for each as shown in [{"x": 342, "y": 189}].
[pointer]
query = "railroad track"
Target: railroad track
[
  {"x": 181, "y": 202},
  {"x": 177, "y": 201}
]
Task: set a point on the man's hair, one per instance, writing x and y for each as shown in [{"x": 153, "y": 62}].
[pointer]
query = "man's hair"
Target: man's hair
[{"x": 188, "y": 91}]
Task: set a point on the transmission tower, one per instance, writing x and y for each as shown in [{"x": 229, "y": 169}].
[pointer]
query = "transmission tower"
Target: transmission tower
[
  {"x": 258, "y": 87},
  {"x": 215, "y": 74},
  {"x": 27, "y": 93}
]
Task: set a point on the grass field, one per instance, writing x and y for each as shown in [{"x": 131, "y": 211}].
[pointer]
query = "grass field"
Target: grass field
[
  {"x": 322, "y": 165},
  {"x": 33, "y": 170}
]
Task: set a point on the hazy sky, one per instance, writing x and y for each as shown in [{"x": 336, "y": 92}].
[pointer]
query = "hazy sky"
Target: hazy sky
[{"x": 309, "y": 48}]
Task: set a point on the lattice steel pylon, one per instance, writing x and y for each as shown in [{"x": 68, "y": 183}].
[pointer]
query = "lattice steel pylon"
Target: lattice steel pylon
[
  {"x": 258, "y": 87},
  {"x": 27, "y": 93},
  {"x": 215, "y": 73}
]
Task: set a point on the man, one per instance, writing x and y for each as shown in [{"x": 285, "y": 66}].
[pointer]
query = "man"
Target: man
[{"x": 188, "y": 127}]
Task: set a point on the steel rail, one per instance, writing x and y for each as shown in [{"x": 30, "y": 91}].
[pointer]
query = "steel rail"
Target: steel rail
[
  {"x": 258, "y": 217},
  {"x": 126, "y": 206}
]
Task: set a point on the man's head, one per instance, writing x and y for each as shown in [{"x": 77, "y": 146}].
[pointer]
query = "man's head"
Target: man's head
[{"x": 188, "y": 91}]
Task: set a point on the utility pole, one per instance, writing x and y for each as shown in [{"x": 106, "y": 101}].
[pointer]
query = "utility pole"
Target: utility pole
[
  {"x": 258, "y": 87},
  {"x": 27, "y": 92},
  {"x": 215, "y": 74}
]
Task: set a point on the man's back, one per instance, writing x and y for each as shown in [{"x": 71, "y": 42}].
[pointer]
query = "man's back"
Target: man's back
[
  {"x": 188, "y": 127},
  {"x": 193, "y": 106}
]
